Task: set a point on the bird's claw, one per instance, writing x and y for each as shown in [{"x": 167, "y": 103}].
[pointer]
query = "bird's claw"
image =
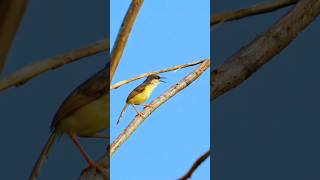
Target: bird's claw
[
  {"x": 140, "y": 114},
  {"x": 148, "y": 105}
]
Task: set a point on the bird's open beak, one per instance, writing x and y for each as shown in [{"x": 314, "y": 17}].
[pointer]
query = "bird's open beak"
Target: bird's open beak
[{"x": 162, "y": 80}]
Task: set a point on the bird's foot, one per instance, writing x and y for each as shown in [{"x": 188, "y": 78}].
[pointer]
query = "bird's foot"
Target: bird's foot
[
  {"x": 148, "y": 105},
  {"x": 140, "y": 114}
]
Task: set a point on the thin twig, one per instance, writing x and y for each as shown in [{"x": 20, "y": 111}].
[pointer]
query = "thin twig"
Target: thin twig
[
  {"x": 261, "y": 50},
  {"x": 138, "y": 120},
  {"x": 123, "y": 35},
  {"x": 250, "y": 11},
  {"x": 195, "y": 165},
  {"x": 121, "y": 83},
  {"x": 26, "y": 73}
]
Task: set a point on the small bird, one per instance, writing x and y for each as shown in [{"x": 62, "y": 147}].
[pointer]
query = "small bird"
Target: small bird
[
  {"x": 84, "y": 113},
  {"x": 141, "y": 93}
]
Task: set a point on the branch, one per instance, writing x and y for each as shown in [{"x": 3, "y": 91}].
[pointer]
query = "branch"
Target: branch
[
  {"x": 252, "y": 57},
  {"x": 250, "y": 11},
  {"x": 123, "y": 35},
  {"x": 12, "y": 12},
  {"x": 138, "y": 120},
  {"x": 26, "y": 73},
  {"x": 121, "y": 83},
  {"x": 195, "y": 165}
]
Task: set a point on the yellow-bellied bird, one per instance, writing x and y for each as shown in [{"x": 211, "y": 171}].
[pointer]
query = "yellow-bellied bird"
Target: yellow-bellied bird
[{"x": 141, "y": 93}]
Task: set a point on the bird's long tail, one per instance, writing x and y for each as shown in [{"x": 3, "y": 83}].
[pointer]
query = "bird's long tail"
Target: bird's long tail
[
  {"x": 122, "y": 112},
  {"x": 43, "y": 156}
]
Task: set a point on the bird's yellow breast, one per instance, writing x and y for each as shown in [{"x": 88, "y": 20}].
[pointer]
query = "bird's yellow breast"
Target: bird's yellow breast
[
  {"x": 141, "y": 97},
  {"x": 89, "y": 119}
]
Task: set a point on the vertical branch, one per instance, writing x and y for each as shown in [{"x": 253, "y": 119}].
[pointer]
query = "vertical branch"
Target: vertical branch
[
  {"x": 11, "y": 13},
  {"x": 123, "y": 35}
]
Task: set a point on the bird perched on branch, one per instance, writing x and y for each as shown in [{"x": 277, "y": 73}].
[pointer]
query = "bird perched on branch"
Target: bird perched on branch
[
  {"x": 84, "y": 113},
  {"x": 141, "y": 93}
]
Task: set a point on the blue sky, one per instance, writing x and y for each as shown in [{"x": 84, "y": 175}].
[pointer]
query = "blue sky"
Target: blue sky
[{"x": 166, "y": 33}]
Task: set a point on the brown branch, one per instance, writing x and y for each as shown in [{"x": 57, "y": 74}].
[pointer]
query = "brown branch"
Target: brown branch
[
  {"x": 261, "y": 50},
  {"x": 121, "y": 83},
  {"x": 250, "y": 11},
  {"x": 26, "y": 73},
  {"x": 11, "y": 13},
  {"x": 123, "y": 35},
  {"x": 138, "y": 120},
  {"x": 195, "y": 165}
]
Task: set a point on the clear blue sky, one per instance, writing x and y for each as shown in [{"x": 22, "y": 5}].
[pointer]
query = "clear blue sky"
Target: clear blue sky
[{"x": 166, "y": 33}]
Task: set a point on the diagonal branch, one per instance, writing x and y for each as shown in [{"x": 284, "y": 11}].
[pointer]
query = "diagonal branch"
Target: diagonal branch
[
  {"x": 195, "y": 165},
  {"x": 123, "y": 35},
  {"x": 121, "y": 83},
  {"x": 250, "y": 11},
  {"x": 138, "y": 120},
  {"x": 261, "y": 50},
  {"x": 26, "y": 73}
]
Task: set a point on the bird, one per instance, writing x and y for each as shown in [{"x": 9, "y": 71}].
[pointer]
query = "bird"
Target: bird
[
  {"x": 141, "y": 93},
  {"x": 84, "y": 113}
]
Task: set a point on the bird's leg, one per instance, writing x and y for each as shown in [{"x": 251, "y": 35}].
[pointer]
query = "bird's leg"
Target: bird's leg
[
  {"x": 148, "y": 105},
  {"x": 84, "y": 154},
  {"x": 139, "y": 113}
]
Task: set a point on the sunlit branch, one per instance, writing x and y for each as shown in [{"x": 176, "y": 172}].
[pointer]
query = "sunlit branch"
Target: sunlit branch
[{"x": 121, "y": 83}]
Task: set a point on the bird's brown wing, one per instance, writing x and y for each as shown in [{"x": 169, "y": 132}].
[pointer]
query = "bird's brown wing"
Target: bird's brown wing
[
  {"x": 92, "y": 89},
  {"x": 136, "y": 91}
]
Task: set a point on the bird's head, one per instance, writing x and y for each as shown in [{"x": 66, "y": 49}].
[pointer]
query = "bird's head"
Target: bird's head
[{"x": 154, "y": 79}]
